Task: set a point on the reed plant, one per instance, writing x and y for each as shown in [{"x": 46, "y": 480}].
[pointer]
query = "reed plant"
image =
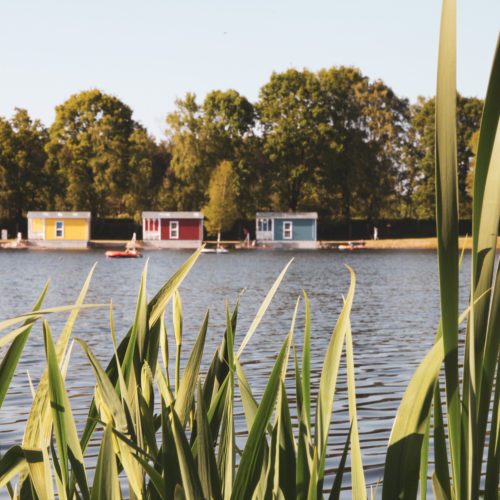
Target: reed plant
[
  {"x": 463, "y": 421},
  {"x": 167, "y": 432}
]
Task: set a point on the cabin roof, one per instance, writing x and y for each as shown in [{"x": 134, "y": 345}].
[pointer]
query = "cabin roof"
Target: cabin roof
[
  {"x": 173, "y": 215},
  {"x": 288, "y": 215},
  {"x": 55, "y": 215}
]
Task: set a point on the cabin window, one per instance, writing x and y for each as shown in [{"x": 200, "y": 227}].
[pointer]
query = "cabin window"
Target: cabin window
[
  {"x": 287, "y": 230},
  {"x": 174, "y": 229},
  {"x": 264, "y": 225},
  {"x": 59, "y": 229}
]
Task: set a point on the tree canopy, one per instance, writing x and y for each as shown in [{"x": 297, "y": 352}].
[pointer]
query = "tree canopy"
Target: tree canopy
[
  {"x": 334, "y": 141},
  {"x": 221, "y": 210}
]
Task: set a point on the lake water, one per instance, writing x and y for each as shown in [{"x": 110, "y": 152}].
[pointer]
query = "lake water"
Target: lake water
[{"x": 394, "y": 320}]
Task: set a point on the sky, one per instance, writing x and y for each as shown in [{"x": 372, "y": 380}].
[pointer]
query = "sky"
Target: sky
[{"x": 149, "y": 53}]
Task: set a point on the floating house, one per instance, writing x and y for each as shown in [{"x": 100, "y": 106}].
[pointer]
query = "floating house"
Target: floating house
[
  {"x": 172, "y": 229},
  {"x": 286, "y": 229},
  {"x": 59, "y": 229}
]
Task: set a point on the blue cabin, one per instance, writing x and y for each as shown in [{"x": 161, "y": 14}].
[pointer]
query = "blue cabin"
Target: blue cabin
[{"x": 286, "y": 229}]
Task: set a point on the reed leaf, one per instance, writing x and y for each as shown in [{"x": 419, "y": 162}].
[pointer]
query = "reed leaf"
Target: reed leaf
[
  {"x": 106, "y": 483},
  {"x": 205, "y": 459},
  {"x": 248, "y": 473},
  {"x": 12, "y": 356},
  {"x": 38, "y": 426},
  {"x": 68, "y": 444},
  {"x": 190, "y": 480},
  {"x": 328, "y": 380},
  {"x": 306, "y": 360},
  {"x": 402, "y": 462},
  {"x": 156, "y": 310},
  {"x": 112, "y": 412},
  {"x": 185, "y": 395},
  {"x": 442, "y": 471},
  {"x": 11, "y": 464},
  {"x": 447, "y": 224},
  {"x": 357, "y": 473},
  {"x": 337, "y": 483},
  {"x": 262, "y": 309}
]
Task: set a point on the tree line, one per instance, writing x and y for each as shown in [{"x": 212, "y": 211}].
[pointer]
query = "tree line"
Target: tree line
[{"x": 333, "y": 141}]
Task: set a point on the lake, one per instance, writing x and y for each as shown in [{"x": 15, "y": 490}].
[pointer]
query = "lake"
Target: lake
[{"x": 394, "y": 318}]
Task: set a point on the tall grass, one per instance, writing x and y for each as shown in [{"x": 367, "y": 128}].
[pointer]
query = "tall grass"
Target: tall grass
[
  {"x": 170, "y": 433},
  {"x": 469, "y": 400}
]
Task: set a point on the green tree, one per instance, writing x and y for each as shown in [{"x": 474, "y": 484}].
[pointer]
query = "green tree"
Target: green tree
[
  {"x": 89, "y": 151},
  {"x": 148, "y": 168},
  {"x": 201, "y": 136},
  {"x": 22, "y": 160},
  {"x": 469, "y": 111},
  {"x": 292, "y": 117},
  {"x": 221, "y": 210}
]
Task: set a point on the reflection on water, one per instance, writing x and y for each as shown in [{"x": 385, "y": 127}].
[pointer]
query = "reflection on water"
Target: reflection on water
[{"x": 393, "y": 320}]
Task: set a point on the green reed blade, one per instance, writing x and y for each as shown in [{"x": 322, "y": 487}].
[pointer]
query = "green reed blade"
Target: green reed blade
[
  {"x": 488, "y": 340},
  {"x": 262, "y": 309},
  {"x": 440, "y": 450},
  {"x": 226, "y": 458},
  {"x": 12, "y": 463},
  {"x": 189, "y": 474},
  {"x": 306, "y": 360},
  {"x": 248, "y": 473},
  {"x": 402, "y": 463},
  {"x": 328, "y": 380},
  {"x": 112, "y": 411},
  {"x": 337, "y": 483},
  {"x": 424, "y": 458},
  {"x": 12, "y": 356},
  {"x": 438, "y": 490},
  {"x": 312, "y": 492},
  {"x": 493, "y": 462},
  {"x": 285, "y": 463},
  {"x": 156, "y": 310},
  {"x": 177, "y": 318},
  {"x": 38, "y": 426},
  {"x": 106, "y": 482},
  {"x": 304, "y": 439},
  {"x": 68, "y": 445},
  {"x": 447, "y": 224},
  {"x": 205, "y": 459},
  {"x": 187, "y": 385},
  {"x": 157, "y": 305},
  {"x": 358, "y": 476}
]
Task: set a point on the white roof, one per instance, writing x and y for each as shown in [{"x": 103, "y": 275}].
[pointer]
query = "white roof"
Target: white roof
[
  {"x": 288, "y": 215},
  {"x": 172, "y": 215},
  {"x": 55, "y": 215}
]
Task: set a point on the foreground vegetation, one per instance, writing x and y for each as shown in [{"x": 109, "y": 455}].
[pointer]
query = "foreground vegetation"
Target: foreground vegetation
[{"x": 164, "y": 433}]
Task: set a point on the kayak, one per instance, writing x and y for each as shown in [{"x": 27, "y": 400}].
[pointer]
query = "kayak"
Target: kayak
[{"x": 123, "y": 254}]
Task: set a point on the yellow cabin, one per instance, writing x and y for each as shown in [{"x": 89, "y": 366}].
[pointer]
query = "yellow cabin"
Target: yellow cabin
[{"x": 59, "y": 229}]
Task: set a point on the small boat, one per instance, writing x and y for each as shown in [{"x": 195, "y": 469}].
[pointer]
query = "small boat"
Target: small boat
[
  {"x": 351, "y": 245},
  {"x": 130, "y": 251},
  {"x": 215, "y": 250},
  {"x": 123, "y": 254}
]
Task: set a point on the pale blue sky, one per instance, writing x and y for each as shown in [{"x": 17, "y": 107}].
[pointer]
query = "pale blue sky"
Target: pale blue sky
[{"x": 150, "y": 52}]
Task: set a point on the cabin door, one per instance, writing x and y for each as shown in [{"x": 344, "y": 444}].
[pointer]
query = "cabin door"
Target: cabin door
[{"x": 264, "y": 229}]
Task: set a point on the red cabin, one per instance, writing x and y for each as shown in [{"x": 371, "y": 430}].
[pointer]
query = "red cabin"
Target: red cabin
[{"x": 172, "y": 229}]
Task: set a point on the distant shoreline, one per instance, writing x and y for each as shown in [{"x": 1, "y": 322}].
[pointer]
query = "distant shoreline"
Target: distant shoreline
[{"x": 382, "y": 244}]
